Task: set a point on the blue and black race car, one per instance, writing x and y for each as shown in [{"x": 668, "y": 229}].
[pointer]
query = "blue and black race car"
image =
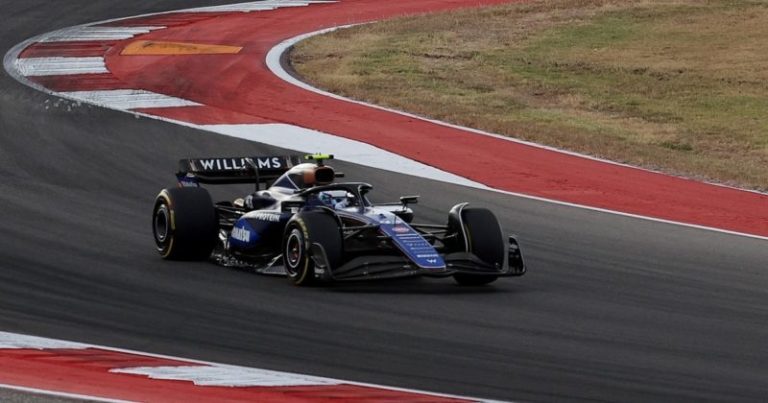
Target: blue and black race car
[{"x": 309, "y": 227}]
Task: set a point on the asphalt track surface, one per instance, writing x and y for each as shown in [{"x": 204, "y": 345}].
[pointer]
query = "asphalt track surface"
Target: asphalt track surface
[{"x": 613, "y": 308}]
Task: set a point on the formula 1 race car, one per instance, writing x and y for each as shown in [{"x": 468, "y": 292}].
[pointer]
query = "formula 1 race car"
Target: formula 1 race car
[{"x": 306, "y": 226}]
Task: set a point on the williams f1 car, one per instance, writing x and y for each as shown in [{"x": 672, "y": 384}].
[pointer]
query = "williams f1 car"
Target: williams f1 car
[{"x": 305, "y": 225}]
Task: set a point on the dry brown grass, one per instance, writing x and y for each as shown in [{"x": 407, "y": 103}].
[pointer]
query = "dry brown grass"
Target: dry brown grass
[{"x": 680, "y": 85}]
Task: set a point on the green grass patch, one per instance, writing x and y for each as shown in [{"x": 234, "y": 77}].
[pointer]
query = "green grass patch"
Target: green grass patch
[{"x": 678, "y": 85}]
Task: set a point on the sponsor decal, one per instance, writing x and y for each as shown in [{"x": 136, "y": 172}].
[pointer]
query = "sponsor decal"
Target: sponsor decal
[
  {"x": 414, "y": 246},
  {"x": 223, "y": 164},
  {"x": 238, "y": 164},
  {"x": 188, "y": 181},
  {"x": 400, "y": 229},
  {"x": 265, "y": 217},
  {"x": 268, "y": 163},
  {"x": 241, "y": 234}
]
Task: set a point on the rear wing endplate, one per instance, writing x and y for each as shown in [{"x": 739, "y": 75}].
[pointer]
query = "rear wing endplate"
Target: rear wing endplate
[{"x": 233, "y": 170}]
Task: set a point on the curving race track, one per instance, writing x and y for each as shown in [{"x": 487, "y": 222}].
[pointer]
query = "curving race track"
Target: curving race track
[{"x": 614, "y": 308}]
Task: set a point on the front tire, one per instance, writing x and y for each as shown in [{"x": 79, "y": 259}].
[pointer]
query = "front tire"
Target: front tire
[
  {"x": 304, "y": 230},
  {"x": 184, "y": 224},
  {"x": 485, "y": 240}
]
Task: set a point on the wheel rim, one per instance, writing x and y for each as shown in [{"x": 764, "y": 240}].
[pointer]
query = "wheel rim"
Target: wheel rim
[
  {"x": 161, "y": 224},
  {"x": 294, "y": 249}
]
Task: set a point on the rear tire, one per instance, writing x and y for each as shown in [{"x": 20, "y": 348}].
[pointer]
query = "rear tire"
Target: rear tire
[
  {"x": 184, "y": 224},
  {"x": 484, "y": 239},
  {"x": 305, "y": 229}
]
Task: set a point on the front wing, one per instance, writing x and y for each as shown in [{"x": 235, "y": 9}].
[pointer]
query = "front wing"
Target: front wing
[{"x": 395, "y": 266}]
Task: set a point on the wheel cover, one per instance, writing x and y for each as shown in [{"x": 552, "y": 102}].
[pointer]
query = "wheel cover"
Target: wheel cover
[
  {"x": 294, "y": 251},
  {"x": 161, "y": 224}
]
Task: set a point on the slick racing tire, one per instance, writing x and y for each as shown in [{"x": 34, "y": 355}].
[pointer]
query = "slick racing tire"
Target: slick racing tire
[
  {"x": 184, "y": 224},
  {"x": 304, "y": 230},
  {"x": 485, "y": 240}
]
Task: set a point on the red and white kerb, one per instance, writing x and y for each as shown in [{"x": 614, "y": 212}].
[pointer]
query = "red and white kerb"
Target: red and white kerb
[{"x": 70, "y": 369}]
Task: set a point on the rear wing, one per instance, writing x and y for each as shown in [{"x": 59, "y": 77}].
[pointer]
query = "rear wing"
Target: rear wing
[{"x": 231, "y": 170}]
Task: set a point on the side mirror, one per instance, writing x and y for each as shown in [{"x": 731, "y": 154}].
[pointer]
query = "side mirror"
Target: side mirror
[{"x": 406, "y": 200}]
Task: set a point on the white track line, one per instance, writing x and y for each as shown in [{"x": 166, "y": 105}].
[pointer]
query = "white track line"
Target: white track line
[
  {"x": 274, "y": 64},
  {"x": 18, "y": 341},
  {"x": 60, "y": 394},
  {"x": 256, "y": 6},
  {"x": 128, "y": 99},
  {"x": 60, "y": 66},
  {"x": 92, "y": 33},
  {"x": 226, "y": 375}
]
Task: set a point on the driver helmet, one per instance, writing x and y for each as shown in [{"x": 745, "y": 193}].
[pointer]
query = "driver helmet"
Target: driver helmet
[{"x": 329, "y": 200}]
